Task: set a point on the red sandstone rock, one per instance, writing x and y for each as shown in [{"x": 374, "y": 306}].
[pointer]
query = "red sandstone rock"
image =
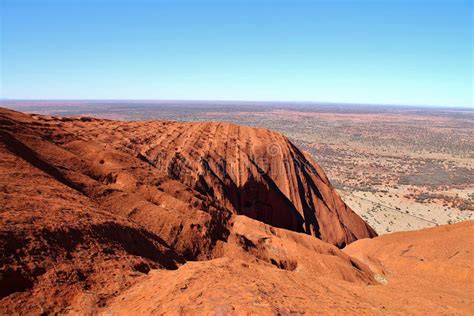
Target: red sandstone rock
[
  {"x": 106, "y": 216},
  {"x": 424, "y": 273}
]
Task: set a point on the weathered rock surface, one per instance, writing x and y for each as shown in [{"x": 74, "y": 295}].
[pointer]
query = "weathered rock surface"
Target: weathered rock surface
[
  {"x": 418, "y": 273},
  {"x": 249, "y": 171},
  {"x": 82, "y": 196},
  {"x": 154, "y": 217}
]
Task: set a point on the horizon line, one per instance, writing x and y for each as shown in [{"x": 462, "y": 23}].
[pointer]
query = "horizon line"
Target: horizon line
[{"x": 241, "y": 101}]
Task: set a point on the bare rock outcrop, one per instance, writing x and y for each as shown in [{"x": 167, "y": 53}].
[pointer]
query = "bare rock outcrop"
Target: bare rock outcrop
[
  {"x": 102, "y": 216},
  {"x": 248, "y": 171},
  {"x": 90, "y": 206},
  {"x": 251, "y": 171}
]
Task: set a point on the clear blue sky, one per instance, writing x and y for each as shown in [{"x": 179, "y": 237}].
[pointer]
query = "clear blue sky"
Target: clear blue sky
[{"x": 393, "y": 52}]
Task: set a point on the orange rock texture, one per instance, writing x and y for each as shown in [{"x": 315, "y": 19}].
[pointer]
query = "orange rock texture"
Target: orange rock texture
[{"x": 195, "y": 218}]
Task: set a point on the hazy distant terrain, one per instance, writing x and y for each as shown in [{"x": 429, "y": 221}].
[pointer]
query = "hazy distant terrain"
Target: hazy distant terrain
[{"x": 400, "y": 168}]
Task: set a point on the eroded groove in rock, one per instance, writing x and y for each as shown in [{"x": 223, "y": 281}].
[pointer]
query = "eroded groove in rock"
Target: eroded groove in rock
[{"x": 260, "y": 174}]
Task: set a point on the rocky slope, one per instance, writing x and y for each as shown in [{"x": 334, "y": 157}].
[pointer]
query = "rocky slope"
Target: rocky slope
[
  {"x": 428, "y": 272},
  {"x": 81, "y": 196},
  {"x": 105, "y": 216},
  {"x": 264, "y": 270},
  {"x": 249, "y": 171}
]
